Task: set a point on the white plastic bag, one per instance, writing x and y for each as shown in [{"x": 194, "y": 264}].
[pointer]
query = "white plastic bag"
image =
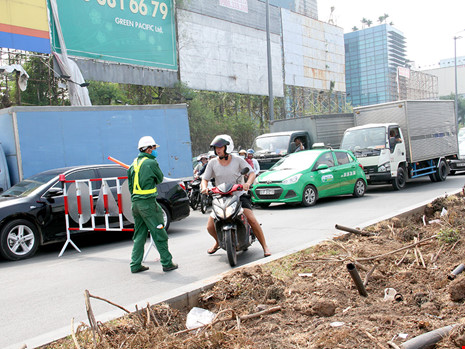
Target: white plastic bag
[{"x": 199, "y": 317}]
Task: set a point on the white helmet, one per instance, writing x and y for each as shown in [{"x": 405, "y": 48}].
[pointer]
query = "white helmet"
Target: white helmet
[
  {"x": 147, "y": 141},
  {"x": 223, "y": 140}
]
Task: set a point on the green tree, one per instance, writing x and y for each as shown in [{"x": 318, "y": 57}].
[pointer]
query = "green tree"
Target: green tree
[
  {"x": 106, "y": 93},
  {"x": 42, "y": 85}
]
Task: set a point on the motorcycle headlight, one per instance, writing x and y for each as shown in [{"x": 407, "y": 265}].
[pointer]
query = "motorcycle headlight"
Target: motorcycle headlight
[
  {"x": 293, "y": 179},
  {"x": 230, "y": 210},
  {"x": 218, "y": 211}
]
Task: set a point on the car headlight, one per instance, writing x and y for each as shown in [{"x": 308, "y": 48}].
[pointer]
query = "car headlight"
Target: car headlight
[
  {"x": 293, "y": 179},
  {"x": 386, "y": 167},
  {"x": 230, "y": 209}
]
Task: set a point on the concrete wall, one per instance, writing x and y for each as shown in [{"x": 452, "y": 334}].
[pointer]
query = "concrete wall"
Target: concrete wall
[
  {"x": 446, "y": 79},
  {"x": 218, "y": 55},
  {"x": 313, "y": 52}
]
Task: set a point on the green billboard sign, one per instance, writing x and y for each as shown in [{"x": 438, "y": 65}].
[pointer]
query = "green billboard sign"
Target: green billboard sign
[{"x": 136, "y": 32}]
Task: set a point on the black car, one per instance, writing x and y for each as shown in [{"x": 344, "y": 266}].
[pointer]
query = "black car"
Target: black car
[{"x": 32, "y": 212}]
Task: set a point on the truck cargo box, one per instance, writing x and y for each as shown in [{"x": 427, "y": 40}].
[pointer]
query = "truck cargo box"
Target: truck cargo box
[
  {"x": 429, "y": 127},
  {"x": 40, "y": 138},
  {"x": 327, "y": 129}
]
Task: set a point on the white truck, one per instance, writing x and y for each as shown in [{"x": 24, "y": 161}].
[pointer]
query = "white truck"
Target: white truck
[{"x": 401, "y": 140}]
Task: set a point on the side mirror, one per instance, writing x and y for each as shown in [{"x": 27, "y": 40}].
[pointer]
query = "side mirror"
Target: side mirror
[
  {"x": 292, "y": 147},
  {"x": 52, "y": 192},
  {"x": 245, "y": 170},
  {"x": 322, "y": 167}
]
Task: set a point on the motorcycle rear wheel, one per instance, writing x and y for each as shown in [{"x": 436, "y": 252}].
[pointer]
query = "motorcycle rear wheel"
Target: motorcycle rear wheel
[
  {"x": 203, "y": 203},
  {"x": 230, "y": 246},
  {"x": 195, "y": 200}
]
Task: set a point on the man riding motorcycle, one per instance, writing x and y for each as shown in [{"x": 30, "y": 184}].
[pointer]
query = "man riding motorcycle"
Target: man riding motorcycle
[{"x": 226, "y": 168}]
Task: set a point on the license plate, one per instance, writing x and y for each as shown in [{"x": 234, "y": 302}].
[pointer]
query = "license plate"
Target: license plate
[
  {"x": 460, "y": 165},
  {"x": 267, "y": 192}
]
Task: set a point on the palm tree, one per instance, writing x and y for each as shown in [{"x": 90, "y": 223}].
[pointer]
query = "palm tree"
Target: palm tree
[
  {"x": 354, "y": 28},
  {"x": 385, "y": 17},
  {"x": 364, "y": 21},
  {"x": 381, "y": 19},
  {"x": 369, "y": 23}
]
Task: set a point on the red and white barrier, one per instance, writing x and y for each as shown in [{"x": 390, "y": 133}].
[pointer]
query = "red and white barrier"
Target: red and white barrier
[
  {"x": 82, "y": 213},
  {"x": 84, "y": 209}
]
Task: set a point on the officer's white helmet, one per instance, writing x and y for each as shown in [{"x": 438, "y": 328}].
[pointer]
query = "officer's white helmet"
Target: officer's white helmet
[
  {"x": 223, "y": 140},
  {"x": 147, "y": 141}
]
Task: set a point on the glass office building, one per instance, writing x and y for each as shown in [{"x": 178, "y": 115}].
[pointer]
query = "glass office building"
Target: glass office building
[{"x": 372, "y": 56}]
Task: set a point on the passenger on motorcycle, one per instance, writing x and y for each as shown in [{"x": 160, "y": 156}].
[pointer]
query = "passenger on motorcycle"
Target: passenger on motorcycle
[
  {"x": 226, "y": 168},
  {"x": 255, "y": 164},
  {"x": 202, "y": 163}
]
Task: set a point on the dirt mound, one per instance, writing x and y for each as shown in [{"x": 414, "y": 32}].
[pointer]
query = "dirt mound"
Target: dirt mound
[{"x": 309, "y": 299}]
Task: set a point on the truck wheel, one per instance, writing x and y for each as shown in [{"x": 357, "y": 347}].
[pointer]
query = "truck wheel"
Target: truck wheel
[
  {"x": 399, "y": 182},
  {"x": 360, "y": 188},
  {"x": 441, "y": 173},
  {"x": 19, "y": 239},
  {"x": 433, "y": 177},
  {"x": 310, "y": 196}
]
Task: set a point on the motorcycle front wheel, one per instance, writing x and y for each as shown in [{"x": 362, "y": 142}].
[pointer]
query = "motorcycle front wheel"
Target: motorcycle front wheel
[{"x": 230, "y": 246}]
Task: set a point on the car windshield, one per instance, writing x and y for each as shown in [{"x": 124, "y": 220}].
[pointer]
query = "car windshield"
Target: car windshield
[
  {"x": 365, "y": 138},
  {"x": 27, "y": 186},
  {"x": 297, "y": 161},
  {"x": 272, "y": 144}
]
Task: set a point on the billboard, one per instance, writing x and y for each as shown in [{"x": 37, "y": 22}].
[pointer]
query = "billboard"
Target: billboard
[
  {"x": 135, "y": 32},
  {"x": 24, "y": 25}
]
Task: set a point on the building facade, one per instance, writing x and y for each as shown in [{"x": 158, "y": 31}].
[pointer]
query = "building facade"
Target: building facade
[
  {"x": 446, "y": 78},
  {"x": 377, "y": 69},
  {"x": 222, "y": 47},
  {"x": 372, "y": 56}
]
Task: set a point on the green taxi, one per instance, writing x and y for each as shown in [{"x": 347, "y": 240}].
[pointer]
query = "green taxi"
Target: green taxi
[{"x": 305, "y": 176}]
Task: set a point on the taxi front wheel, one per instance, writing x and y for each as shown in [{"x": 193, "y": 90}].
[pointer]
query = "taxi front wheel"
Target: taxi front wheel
[{"x": 309, "y": 196}]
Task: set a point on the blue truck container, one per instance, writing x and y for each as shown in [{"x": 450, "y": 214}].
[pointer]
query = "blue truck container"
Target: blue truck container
[{"x": 35, "y": 139}]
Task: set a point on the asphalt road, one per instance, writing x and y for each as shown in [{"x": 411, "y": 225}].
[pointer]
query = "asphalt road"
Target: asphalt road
[{"x": 40, "y": 296}]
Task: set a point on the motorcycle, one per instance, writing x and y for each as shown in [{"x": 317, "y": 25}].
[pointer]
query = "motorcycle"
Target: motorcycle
[
  {"x": 232, "y": 228},
  {"x": 194, "y": 193},
  {"x": 206, "y": 199}
]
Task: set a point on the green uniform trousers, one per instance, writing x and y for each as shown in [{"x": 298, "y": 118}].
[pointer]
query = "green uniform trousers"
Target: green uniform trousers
[{"x": 148, "y": 215}]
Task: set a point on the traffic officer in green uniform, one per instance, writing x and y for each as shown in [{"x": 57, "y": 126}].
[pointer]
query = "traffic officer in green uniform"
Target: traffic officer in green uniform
[{"x": 143, "y": 177}]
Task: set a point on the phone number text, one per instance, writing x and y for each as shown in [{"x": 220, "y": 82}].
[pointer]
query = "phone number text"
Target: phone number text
[{"x": 155, "y": 8}]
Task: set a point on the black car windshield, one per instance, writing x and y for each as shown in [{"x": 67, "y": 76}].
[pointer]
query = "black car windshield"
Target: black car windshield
[
  {"x": 272, "y": 144},
  {"x": 297, "y": 161},
  {"x": 27, "y": 186}
]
